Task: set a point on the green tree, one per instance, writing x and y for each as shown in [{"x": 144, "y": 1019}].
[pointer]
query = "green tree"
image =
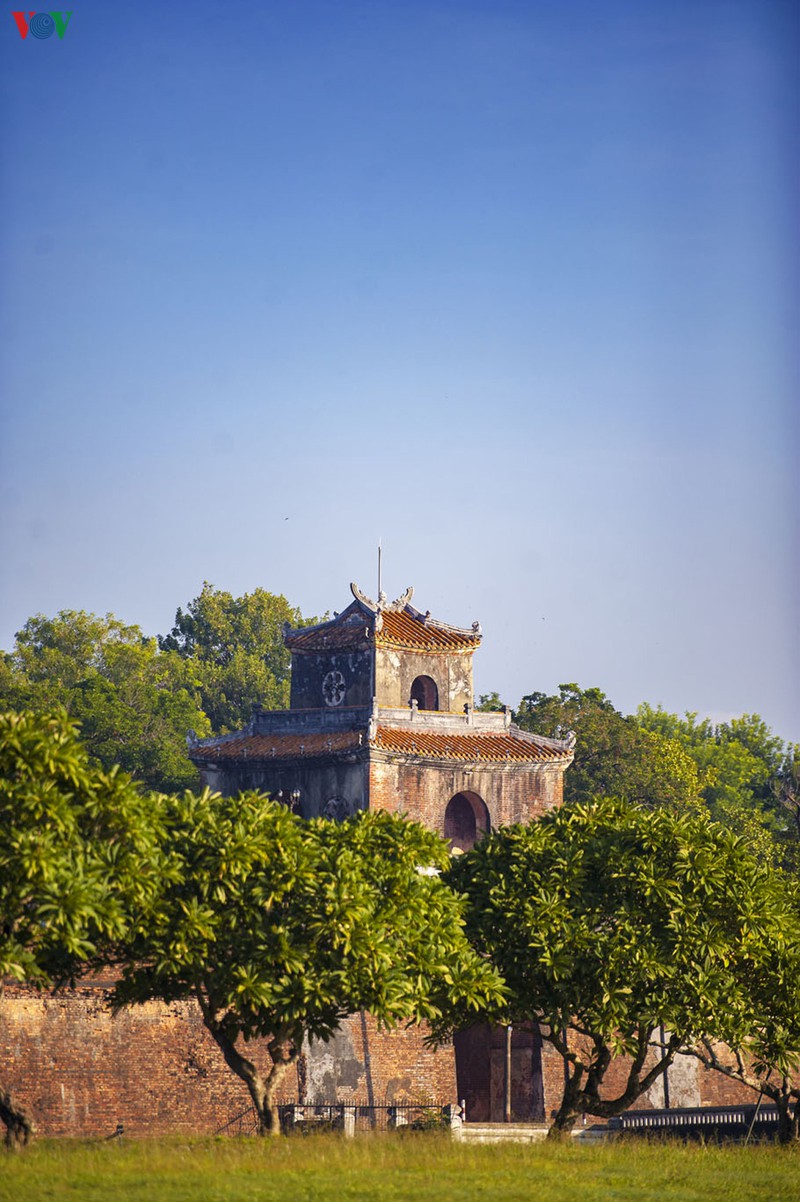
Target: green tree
[
  {"x": 134, "y": 703},
  {"x": 78, "y": 860},
  {"x": 767, "y": 1060},
  {"x": 280, "y": 927},
  {"x": 235, "y": 645},
  {"x": 786, "y": 788},
  {"x": 607, "y": 920},
  {"x": 744, "y": 772},
  {"x": 614, "y": 756}
]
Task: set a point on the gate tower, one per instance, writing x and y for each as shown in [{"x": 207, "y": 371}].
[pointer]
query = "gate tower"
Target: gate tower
[{"x": 382, "y": 716}]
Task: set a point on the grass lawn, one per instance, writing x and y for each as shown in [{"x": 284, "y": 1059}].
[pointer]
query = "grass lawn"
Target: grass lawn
[{"x": 391, "y": 1168}]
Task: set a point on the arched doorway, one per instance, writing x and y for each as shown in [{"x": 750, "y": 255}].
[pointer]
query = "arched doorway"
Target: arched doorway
[
  {"x": 425, "y": 693},
  {"x": 466, "y": 820}
]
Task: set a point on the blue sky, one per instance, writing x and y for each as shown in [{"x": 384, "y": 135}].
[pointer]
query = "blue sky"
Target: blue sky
[{"x": 511, "y": 286}]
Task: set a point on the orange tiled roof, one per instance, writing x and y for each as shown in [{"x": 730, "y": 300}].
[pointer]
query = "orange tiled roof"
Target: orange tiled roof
[
  {"x": 413, "y": 740},
  {"x": 405, "y": 628},
  {"x": 278, "y": 746},
  {"x": 485, "y": 747},
  {"x": 410, "y": 629}
]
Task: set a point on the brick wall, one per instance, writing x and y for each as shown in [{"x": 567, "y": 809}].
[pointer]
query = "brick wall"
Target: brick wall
[
  {"x": 155, "y": 1069},
  {"x": 80, "y": 1071},
  {"x": 422, "y": 789}
]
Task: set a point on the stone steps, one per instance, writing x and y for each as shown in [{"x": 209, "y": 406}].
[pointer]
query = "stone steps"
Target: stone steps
[
  {"x": 526, "y": 1133},
  {"x": 497, "y": 1133}
]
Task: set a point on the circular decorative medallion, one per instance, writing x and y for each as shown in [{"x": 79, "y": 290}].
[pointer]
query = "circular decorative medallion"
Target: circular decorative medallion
[
  {"x": 333, "y": 688},
  {"x": 337, "y": 809}
]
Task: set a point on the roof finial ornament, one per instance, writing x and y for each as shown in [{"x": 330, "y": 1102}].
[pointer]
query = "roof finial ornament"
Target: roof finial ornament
[
  {"x": 382, "y": 605},
  {"x": 362, "y": 598},
  {"x": 402, "y": 601}
]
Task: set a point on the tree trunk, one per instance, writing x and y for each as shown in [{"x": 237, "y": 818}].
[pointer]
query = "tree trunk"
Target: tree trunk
[
  {"x": 579, "y": 1100},
  {"x": 19, "y": 1128},
  {"x": 563, "y": 1123},
  {"x": 568, "y": 1112},
  {"x": 785, "y": 1098},
  {"x": 283, "y": 1052},
  {"x": 788, "y": 1118},
  {"x": 283, "y": 1055}
]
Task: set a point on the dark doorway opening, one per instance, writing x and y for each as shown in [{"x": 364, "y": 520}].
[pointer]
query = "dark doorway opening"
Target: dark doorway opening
[
  {"x": 425, "y": 693},
  {"x": 481, "y": 1073},
  {"x": 466, "y": 820}
]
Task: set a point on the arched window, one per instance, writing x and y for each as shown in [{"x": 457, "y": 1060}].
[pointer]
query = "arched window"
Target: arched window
[
  {"x": 425, "y": 693},
  {"x": 466, "y": 820}
]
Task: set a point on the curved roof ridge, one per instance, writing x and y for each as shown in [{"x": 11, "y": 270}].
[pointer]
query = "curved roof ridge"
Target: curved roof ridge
[
  {"x": 543, "y": 740},
  {"x": 291, "y": 633},
  {"x": 390, "y": 626},
  {"x": 469, "y": 632},
  {"x": 408, "y": 628}
]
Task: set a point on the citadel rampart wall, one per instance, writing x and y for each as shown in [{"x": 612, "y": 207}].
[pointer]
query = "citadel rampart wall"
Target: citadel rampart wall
[
  {"x": 155, "y": 1069},
  {"x": 80, "y": 1071}
]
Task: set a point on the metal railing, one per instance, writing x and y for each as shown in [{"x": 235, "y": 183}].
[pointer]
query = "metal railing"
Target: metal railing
[
  {"x": 725, "y": 1122},
  {"x": 243, "y": 1123},
  {"x": 350, "y": 1117}
]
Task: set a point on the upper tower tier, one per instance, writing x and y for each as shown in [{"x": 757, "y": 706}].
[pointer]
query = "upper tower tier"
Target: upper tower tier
[{"x": 382, "y": 651}]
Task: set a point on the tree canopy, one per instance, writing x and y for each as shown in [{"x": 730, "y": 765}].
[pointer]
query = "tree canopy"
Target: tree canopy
[
  {"x": 738, "y": 772},
  {"x": 614, "y": 755},
  {"x": 748, "y": 776},
  {"x": 135, "y": 697},
  {"x": 134, "y": 703},
  {"x": 607, "y": 920},
  {"x": 79, "y": 856},
  {"x": 280, "y": 927},
  {"x": 235, "y": 646}
]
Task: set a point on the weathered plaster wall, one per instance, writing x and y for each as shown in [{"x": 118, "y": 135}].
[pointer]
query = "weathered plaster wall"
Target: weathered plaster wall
[
  {"x": 683, "y": 1086},
  {"x": 396, "y": 671},
  {"x": 373, "y": 1066}
]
